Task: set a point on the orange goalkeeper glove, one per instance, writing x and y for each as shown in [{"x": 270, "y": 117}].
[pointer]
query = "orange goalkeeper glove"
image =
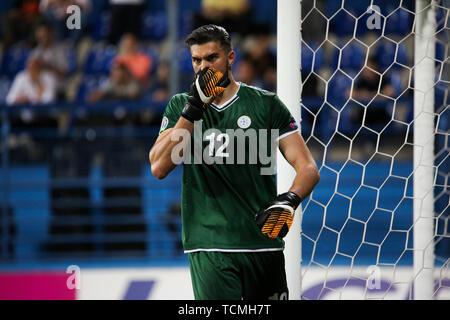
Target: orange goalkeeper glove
[
  {"x": 208, "y": 84},
  {"x": 275, "y": 219}
]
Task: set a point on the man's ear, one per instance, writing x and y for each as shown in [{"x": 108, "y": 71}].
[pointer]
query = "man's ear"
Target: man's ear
[{"x": 231, "y": 58}]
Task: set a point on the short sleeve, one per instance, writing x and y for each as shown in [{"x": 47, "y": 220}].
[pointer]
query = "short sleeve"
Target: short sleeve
[
  {"x": 172, "y": 112},
  {"x": 282, "y": 118}
]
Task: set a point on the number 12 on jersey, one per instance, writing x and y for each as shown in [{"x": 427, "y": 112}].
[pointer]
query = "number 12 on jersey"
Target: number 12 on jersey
[{"x": 221, "y": 138}]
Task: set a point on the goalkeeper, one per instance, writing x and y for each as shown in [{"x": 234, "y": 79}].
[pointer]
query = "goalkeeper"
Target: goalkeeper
[{"x": 233, "y": 220}]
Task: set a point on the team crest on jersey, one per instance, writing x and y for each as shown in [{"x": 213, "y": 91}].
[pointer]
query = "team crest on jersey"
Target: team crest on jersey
[
  {"x": 244, "y": 122},
  {"x": 164, "y": 124}
]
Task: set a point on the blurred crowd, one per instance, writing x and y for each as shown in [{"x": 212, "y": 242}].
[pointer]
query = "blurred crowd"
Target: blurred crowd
[{"x": 120, "y": 50}]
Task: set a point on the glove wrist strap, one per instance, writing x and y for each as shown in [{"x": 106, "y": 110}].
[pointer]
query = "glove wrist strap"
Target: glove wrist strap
[
  {"x": 292, "y": 197},
  {"x": 192, "y": 112}
]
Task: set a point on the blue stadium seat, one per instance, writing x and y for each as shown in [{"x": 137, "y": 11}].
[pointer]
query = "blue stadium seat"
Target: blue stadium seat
[
  {"x": 263, "y": 12},
  {"x": 97, "y": 8},
  {"x": 99, "y": 59},
  {"x": 185, "y": 24},
  {"x": 154, "y": 25},
  {"x": 307, "y": 58},
  {"x": 101, "y": 26},
  {"x": 192, "y": 6},
  {"x": 441, "y": 17},
  {"x": 343, "y": 24},
  {"x": 442, "y": 97},
  {"x": 14, "y": 60},
  {"x": 356, "y": 7},
  {"x": 441, "y": 88},
  {"x": 386, "y": 54},
  {"x": 440, "y": 52},
  {"x": 5, "y": 85},
  {"x": 184, "y": 60},
  {"x": 398, "y": 23},
  {"x": 153, "y": 55},
  {"x": 71, "y": 62},
  {"x": 88, "y": 84},
  {"x": 337, "y": 89},
  {"x": 6, "y": 5},
  {"x": 352, "y": 57},
  {"x": 336, "y": 99},
  {"x": 396, "y": 81},
  {"x": 237, "y": 58}
]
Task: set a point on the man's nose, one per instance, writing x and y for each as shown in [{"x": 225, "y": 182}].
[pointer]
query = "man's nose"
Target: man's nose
[{"x": 205, "y": 64}]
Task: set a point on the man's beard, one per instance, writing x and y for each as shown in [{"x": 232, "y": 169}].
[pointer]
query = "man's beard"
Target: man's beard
[{"x": 226, "y": 75}]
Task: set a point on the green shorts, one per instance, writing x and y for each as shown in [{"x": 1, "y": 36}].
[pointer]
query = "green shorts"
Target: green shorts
[{"x": 238, "y": 275}]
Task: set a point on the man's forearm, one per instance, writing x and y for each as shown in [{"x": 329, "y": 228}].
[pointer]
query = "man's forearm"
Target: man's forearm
[
  {"x": 305, "y": 181},
  {"x": 160, "y": 155}
]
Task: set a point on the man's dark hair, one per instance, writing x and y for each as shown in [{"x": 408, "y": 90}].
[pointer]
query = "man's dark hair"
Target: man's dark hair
[{"x": 210, "y": 33}]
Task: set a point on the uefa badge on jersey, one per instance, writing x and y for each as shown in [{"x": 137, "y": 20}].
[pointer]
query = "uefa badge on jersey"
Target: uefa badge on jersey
[
  {"x": 164, "y": 124},
  {"x": 293, "y": 124},
  {"x": 244, "y": 122}
]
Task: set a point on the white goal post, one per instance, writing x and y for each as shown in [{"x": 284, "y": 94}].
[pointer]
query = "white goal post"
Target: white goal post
[
  {"x": 424, "y": 74},
  {"x": 288, "y": 89}
]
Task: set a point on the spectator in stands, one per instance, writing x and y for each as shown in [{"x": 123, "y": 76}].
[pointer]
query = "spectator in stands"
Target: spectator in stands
[
  {"x": 125, "y": 18},
  {"x": 367, "y": 88},
  {"x": 34, "y": 85},
  {"x": 55, "y": 13},
  {"x": 52, "y": 55},
  {"x": 121, "y": 85},
  {"x": 367, "y": 83},
  {"x": 233, "y": 15},
  {"x": 263, "y": 58},
  {"x": 245, "y": 72},
  {"x": 19, "y": 22},
  {"x": 139, "y": 63},
  {"x": 160, "y": 86}
]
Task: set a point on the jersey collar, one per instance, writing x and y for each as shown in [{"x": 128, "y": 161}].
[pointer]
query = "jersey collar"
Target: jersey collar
[{"x": 228, "y": 103}]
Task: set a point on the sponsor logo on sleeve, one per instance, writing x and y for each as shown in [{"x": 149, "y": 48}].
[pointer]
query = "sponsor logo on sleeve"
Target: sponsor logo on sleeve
[{"x": 164, "y": 124}]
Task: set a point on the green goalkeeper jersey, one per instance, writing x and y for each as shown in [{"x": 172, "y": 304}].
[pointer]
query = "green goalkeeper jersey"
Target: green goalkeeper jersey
[{"x": 228, "y": 170}]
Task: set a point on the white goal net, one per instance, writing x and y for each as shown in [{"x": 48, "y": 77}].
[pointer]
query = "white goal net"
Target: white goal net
[{"x": 375, "y": 114}]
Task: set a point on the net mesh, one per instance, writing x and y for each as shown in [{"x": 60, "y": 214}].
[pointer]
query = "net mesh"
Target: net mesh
[{"x": 357, "y": 229}]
